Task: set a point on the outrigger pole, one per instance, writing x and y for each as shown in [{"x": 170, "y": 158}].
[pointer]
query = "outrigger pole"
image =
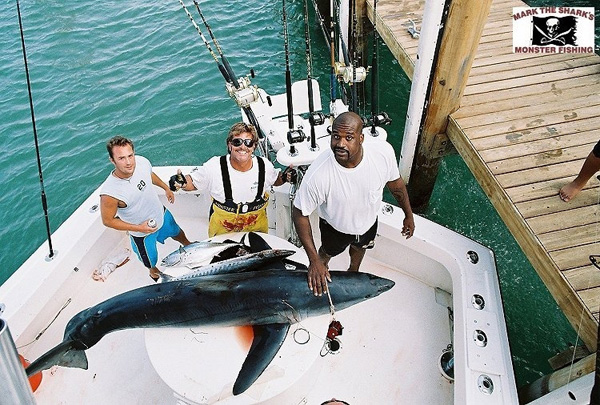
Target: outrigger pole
[{"x": 35, "y": 137}]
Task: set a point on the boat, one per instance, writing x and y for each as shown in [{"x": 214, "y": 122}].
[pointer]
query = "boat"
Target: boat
[{"x": 437, "y": 337}]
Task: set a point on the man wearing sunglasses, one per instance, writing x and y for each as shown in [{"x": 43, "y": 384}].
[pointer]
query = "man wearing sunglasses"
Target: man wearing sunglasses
[{"x": 237, "y": 182}]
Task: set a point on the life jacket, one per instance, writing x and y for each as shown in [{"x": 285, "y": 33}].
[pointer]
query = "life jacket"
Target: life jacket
[{"x": 229, "y": 216}]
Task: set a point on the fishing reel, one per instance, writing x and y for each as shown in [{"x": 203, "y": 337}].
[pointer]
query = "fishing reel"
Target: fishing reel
[
  {"x": 332, "y": 343},
  {"x": 316, "y": 118},
  {"x": 245, "y": 94},
  {"x": 381, "y": 119},
  {"x": 350, "y": 74},
  {"x": 295, "y": 136}
]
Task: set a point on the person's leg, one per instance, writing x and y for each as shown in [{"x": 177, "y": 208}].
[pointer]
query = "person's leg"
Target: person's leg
[
  {"x": 145, "y": 249},
  {"x": 356, "y": 257},
  {"x": 181, "y": 238},
  {"x": 589, "y": 168},
  {"x": 170, "y": 229}
]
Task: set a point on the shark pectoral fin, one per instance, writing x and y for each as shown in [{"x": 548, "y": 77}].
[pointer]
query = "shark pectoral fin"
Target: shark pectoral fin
[
  {"x": 267, "y": 341},
  {"x": 65, "y": 354}
]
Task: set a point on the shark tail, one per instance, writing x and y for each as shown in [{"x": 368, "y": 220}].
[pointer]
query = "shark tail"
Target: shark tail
[{"x": 66, "y": 354}]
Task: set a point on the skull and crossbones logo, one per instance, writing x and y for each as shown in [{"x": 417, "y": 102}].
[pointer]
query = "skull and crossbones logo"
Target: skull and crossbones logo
[{"x": 552, "y": 34}]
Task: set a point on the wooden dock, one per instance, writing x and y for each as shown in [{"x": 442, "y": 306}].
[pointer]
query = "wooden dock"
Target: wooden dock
[{"x": 525, "y": 125}]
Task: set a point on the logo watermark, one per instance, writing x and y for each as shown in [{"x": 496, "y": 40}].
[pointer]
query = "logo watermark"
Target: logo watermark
[{"x": 553, "y": 29}]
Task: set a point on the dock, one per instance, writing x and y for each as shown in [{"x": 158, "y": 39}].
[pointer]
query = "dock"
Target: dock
[{"x": 525, "y": 125}]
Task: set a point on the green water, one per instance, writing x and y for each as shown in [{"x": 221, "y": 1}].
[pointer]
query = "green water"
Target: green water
[{"x": 140, "y": 69}]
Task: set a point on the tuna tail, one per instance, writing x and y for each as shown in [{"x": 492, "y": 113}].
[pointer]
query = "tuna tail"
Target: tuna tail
[{"x": 66, "y": 354}]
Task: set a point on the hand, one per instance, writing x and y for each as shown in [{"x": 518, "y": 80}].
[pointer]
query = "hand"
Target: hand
[
  {"x": 289, "y": 175},
  {"x": 177, "y": 181},
  {"x": 146, "y": 228},
  {"x": 170, "y": 196},
  {"x": 408, "y": 227},
  {"x": 318, "y": 276}
]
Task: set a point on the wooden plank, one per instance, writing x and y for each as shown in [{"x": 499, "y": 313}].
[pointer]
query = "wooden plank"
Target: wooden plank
[
  {"x": 529, "y": 66},
  {"x": 573, "y": 257},
  {"x": 570, "y": 236},
  {"x": 585, "y": 215},
  {"x": 583, "y": 278},
  {"x": 525, "y": 81},
  {"x": 531, "y": 135},
  {"x": 533, "y": 101},
  {"x": 528, "y": 123},
  {"x": 522, "y": 72},
  {"x": 539, "y": 160},
  {"x": 553, "y": 204},
  {"x": 591, "y": 298},
  {"x": 548, "y": 188},
  {"x": 541, "y": 146}
]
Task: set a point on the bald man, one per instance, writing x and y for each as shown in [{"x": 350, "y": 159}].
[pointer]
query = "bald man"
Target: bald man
[{"x": 345, "y": 185}]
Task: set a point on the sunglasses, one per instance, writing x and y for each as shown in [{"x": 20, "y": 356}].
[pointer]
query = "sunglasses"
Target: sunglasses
[{"x": 239, "y": 141}]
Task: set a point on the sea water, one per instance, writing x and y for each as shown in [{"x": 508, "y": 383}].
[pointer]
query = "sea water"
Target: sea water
[{"x": 141, "y": 70}]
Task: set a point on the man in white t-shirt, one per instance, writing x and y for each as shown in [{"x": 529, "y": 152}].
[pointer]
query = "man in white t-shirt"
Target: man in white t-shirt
[
  {"x": 237, "y": 182},
  {"x": 345, "y": 185},
  {"x": 128, "y": 202}
]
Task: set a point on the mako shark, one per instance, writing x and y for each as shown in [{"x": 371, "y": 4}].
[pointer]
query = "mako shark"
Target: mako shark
[{"x": 270, "y": 299}]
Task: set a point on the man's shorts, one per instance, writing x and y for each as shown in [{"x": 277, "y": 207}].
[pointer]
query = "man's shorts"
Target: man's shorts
[
  {"x": 145, "y": 246},
  {"x": 334, "y": 242}
]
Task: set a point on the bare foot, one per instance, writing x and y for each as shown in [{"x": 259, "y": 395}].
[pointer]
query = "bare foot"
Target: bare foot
[{"x": 569, "y": 191}]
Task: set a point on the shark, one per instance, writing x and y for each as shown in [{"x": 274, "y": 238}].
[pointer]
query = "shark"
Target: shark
[{"x": 270, "y": 298}]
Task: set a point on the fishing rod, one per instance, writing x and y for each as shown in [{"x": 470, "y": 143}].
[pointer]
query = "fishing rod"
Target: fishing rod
[
  {"x": 226, "y": 71},
  {"x": 333, "y": 76},
  {"x": 376, "y": 117},
  {"x": 222, "y": 68},
  {"x": 35, "y": 137},
  {"x": 293, "y": 135},
  {"x": 314, "y": 118},
  {"x": 352, "y": 41},
  {"x": 226, "y": 64}
]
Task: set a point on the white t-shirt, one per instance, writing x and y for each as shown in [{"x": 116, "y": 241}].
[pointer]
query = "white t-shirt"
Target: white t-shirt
[
  {"x": 244, "y": 185},
  {"x": 348, "y": 199},
  {"x": 138, "y": 193}
]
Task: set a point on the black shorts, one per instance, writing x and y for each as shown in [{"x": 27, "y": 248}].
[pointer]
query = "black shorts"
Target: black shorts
[{"x": 334, "y": 242}]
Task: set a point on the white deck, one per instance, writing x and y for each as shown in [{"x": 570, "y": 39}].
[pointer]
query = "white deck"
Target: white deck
[{"x": 390, "y": 345}]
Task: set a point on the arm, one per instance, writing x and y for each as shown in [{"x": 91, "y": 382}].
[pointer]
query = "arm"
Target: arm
[
  {"x": 318, "y": 273},
  {"x": 398, "y": 190},
  {"x": 158, "y": 182},
  {"x": 108, "y": 212}
]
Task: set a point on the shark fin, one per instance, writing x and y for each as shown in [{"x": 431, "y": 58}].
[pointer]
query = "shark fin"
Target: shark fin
[
  {"x": 257, "y": 243},
  {"x": 267, "y": 341},
  {"x": 64, "y": 354}
]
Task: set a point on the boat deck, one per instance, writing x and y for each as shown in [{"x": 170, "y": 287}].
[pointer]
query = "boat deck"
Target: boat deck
[
  {"x": 378, "y": 347},
  {"x": 525, "y": 126}
]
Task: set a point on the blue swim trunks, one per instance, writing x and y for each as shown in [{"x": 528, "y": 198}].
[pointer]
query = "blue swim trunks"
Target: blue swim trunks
[{"x": 145, "y": 246}]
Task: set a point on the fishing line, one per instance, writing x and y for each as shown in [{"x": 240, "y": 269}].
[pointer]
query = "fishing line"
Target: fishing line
[
  {"x": 35, "y": 137},
  {"x": 39, "y": 335}
]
